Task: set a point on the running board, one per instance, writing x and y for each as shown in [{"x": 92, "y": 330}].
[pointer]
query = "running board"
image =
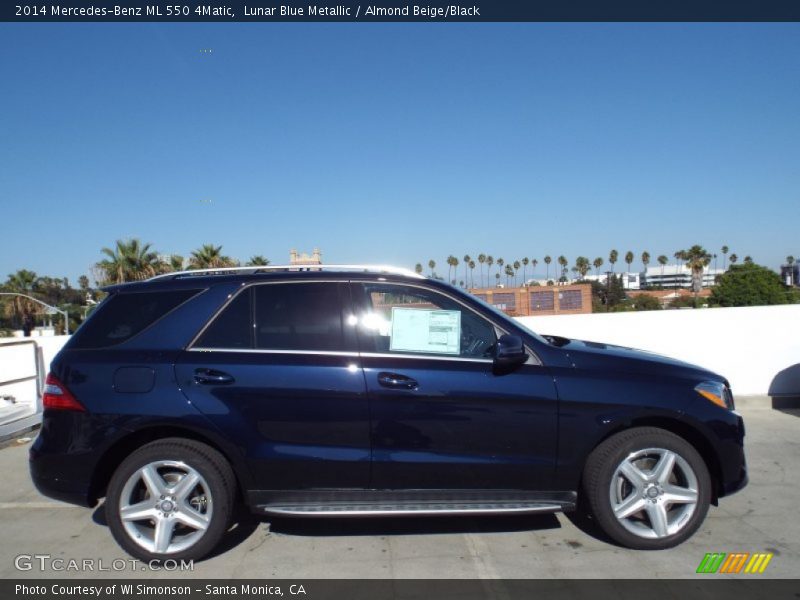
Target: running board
[{"x": 385, "y": 509}]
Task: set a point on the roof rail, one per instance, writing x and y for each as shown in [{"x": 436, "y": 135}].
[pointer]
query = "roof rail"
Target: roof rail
[{"x": 269, "y": 268}]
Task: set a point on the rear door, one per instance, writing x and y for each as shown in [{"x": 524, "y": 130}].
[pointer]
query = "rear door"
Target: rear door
[{"x": 278, "y": 372}]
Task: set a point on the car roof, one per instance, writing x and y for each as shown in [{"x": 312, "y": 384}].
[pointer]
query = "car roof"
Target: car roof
[{"x": 204, "y": 278}]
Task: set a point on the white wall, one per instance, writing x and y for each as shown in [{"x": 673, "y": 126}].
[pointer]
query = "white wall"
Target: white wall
[{"x": 748, "y": 345}]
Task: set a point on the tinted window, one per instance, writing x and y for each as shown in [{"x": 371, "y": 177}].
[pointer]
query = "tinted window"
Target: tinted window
[
  {"x": 122, "y": 316},
  {"x": 299, "y": 316},
  {"x": 233, "y": 328},
  {"x": 405, "y": 319}
]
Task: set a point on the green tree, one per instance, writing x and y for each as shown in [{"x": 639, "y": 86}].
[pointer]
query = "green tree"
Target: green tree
[
  {"x": 734, "y": 259},
  {"x": 16, "y": 307},
  {"x": 509, "y": 274},
  {"x": 645, "y": 259},
  {"x": 481, "y": 262},
  {"x": 534, "y": 264},
  {"x": 697, "y": 259},
  {"x": 582, "y": 266},
  {"x": 547, "y": 261},
  {"x": 472, "y": 272},
  {"x": 489, "y": 263},
  {"x": 259, "y": 260},
  {"x": 597, "y": 263},
  {"x": 83, "y": 282},
  {"x": 750, "y": 285},
  {"x": 646, "y": 302},
  {"x": 129, "y": 260},
  {"x": 209, "y": 256},
  {"x": 748, "y": 260},
  {"x": 525, "y": 262},
  {"x": 724, "y": 256},
  {"x": 612, "y": 259},
  {"x": 467, "y": 260},
  {"x": 563, "y": 262},
  {"x": 629, "y": 260},
  {"x": 662, "y": 260},
  {"x": 418, "y": 268},
  {"x": 516, "y": 265},
  {"x": 432, "y": 265}
]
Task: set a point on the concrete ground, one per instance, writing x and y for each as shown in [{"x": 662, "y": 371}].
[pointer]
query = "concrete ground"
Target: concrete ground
[{"x": 761, "y": 518}]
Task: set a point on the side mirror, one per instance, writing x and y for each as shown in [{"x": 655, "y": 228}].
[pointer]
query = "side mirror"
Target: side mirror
[{"x": 509, "y": 353}]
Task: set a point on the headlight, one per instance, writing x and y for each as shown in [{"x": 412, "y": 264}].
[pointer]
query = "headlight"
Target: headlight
[{"x": 717, "y": 392}]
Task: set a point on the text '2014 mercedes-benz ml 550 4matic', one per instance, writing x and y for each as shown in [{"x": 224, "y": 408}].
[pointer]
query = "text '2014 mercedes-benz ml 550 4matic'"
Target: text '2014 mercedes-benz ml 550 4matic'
[{"x": 362, "y": 391}]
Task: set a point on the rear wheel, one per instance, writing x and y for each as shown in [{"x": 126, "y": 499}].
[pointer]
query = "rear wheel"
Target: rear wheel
[
  {"x": 647, "y": 488},
  {"x": 171, "y": 499}
]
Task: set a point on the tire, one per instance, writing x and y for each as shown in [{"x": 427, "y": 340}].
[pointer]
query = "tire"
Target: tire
[
  {"x": 171, "y": 499},
  {"x": 647, "y": 488}
]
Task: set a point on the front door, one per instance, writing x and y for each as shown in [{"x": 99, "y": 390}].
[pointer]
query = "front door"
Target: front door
[
  {"x": 277, "y": 371},
  {"x": 441, "y": 419}
]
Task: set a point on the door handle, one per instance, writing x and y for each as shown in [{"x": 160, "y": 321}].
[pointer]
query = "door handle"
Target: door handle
[
  {"x": 397, "y": 381},
  {"x": 212, "y": 377}
]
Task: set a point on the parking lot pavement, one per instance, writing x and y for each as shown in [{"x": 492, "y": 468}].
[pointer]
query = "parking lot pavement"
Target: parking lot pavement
[{"x": 761, "y": 518}]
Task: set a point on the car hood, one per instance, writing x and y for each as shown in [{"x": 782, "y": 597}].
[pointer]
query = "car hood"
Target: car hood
[{"x": 588, "y": 355}]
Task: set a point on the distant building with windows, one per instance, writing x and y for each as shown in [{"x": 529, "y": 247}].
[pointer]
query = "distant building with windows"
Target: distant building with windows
[
  {"x": 630, "y": 281},
  {"x": 790, "y": 274},
  {"x": 676, "y": 276},
  {"x": 296, "y": 258},
  {"x": 539, "y": 300}
]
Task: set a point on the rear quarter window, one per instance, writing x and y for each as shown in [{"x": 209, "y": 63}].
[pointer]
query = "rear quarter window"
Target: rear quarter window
[{"x": 122, "y": 316}]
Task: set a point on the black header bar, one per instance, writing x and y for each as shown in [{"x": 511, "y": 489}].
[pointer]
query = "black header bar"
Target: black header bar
[{"x": 133, "y": 11}]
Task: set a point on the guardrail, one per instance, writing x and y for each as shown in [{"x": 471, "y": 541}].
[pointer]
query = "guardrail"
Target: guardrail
[{"x": 22, "y": 376}]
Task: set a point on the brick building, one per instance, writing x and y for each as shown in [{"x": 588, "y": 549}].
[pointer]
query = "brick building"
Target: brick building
[{"x": 539, "y": 300}]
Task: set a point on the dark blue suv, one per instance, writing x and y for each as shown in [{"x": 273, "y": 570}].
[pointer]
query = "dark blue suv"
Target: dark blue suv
[{"x": 361, "y": 391}]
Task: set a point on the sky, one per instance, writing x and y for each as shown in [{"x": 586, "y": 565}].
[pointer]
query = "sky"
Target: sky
[{"x": 397, "y": 143}]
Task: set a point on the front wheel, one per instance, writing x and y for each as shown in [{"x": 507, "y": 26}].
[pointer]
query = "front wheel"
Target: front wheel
[
  {"x": 647, "y": 488},
  {"x": 171, "y": 499}
]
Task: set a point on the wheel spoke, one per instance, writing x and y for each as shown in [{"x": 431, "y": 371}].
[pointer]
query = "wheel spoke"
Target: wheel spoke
[
  {"x": 153, "y": 481},
  {"x": 663, "y": 469},
  {"x": 633, "y": 474},
  {"x": 138, "y": 512},
  {"x": 674, "y": 494},
  {"x": 658, "y": 518},
  {"x": 630, "y": 506},
  {"x": 163, "y": 534},
  {"x": 190, "y": 517},
  {"x": 185, "y": 486}
]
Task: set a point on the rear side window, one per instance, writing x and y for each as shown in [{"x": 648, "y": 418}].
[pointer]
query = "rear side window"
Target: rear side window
[
  {"x": 122, "y": 316},
  {"x": 282, "y": 316}
]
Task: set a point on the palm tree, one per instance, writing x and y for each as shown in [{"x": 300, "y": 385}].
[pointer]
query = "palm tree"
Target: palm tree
[
  {"x": 748, "y": 260},
  {"x": 497, "y": 278},
  {"x": 612, "y": 259},
  {"x": 175, "y": 262},
  {"x": 21, "y": 282},
  {"x": 534, "y": 264},
  {"x": 509, "y": 274},
  {"x": 418, "y": 268},
  {"x": 259, "y": 260},
  {"x": 432, "y": 265},
  {"x": 481, "y": 261},
  {"x": 598, "y": 262},
  {"x": 629, "y": 260},
  {"x": 547, "y": 261},
  {"x": 697, "y": 259},
  {"x": 724, "y": 256},
  {"x": 467, "y": 260},
  {"x": 489, "y": 263},
  {"x": 525, "y": 262},
  {"x": 472, "y": 272},
  {"x": 209, "y": 256},
  {"x": 562, "y": 260},
  {"x": 582, "y": 266},
  {"x": 451, "y": 261},
  {"x": 130, "y": 260},
  {"x": 645, "y": 259},
  {"x": 517, "y": 265},
  {"x": 734, "y": 258},
  {"x": 714, "y": 256},
  {"x": 662, "y": 260}
]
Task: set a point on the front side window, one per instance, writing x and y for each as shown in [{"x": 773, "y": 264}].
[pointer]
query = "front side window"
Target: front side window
[{"x": 409, "y": 320}]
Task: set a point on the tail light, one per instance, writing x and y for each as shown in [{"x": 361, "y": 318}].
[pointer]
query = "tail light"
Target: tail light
[{"x": 58, "y": 397}]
